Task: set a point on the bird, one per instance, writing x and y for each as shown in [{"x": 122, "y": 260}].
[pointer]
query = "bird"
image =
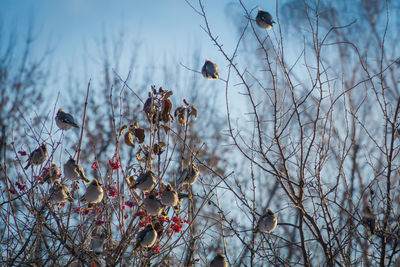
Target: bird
[
  {"x": 218, "y": 261},
  {"x": 37, "y": 156},
  {"x": 152, "y": 205},
  {"x": 59, "y": 193},
  {"x": 264, "y": 20},
  {"x": 99, "y": 236},
  {"x": 210, "y": 70},
  {"x": 189, "y": 175},
  {"x": 74, "y": 171},
  {"x": 369, "y": 219},
  {"x": 94, "y": 193},
  {"x": 169, "y": 196},
  {"x": 145, "y": 182},
  {"x": 50, "y": 175},
  {"x": 65, "y": 120},
  {"x": 267, "y": 223},
  {"x": 146, "y": 238}
]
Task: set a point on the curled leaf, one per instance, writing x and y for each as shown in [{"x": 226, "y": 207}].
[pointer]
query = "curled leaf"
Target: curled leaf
[
  {"x": 129, "y": 139},
  {"x": 122, "y": 130},
  {"x": 193, "y": 111},
  {"x": 158, "y": 148},
  {"x": 166, "y": 128},
  {"x": 166, "y": 107},
  {"x": 139, "y": 134}
]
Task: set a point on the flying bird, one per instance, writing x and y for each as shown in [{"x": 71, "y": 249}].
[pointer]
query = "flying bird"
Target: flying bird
[
  {"x": 210, "y": 70},
  {"x": 264, "y": 20},
  {"x": 65, "y": 120}
]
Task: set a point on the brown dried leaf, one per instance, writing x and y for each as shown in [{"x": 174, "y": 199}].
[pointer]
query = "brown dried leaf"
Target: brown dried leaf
[
  {"x": 167, "y": 94},
  {"x": 166, "y": 128},
  {"x": 139, "y": 156},
  {"x": 158, "y": 148},
  {"x": 193, "y": 111},
  {"x": 166, "y": 110},
  {"x": 182, "y": 118},
  {"x": 185, "y": 101},
  {"x": 139, "y": 134},
  {"x": 129, "y": 140},
  {"x": 122, "y": 130}
]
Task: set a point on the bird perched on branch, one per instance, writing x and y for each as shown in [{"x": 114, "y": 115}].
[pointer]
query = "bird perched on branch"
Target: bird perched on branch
[
  {"x": 169, "y": 196},
  {"x": 210, "y": 70},
  {"x": 145, "y": 182},
  {"x": 218, "y": 261},
  {"x": 152, "y": 205},
  {"x": 60, "y": 193},
  {"x": 264, "y": 20},
  {"x": 94, "y": 193},
  {"x": 74, "y": 171},
  {"x": 146, "y": 238},
  {"x": 369, "y": 219},
  {"x": 65, "y": 120},
  {"x": 37, "y": 156},
  {"x": 189, "y": 175},
  {"x": 267, "y": 223},
  {"x": 50, "y": 175}
]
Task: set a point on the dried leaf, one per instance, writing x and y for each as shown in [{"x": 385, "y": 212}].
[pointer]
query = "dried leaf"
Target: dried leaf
[
  {"x": 167, "y": 94},
  {"x": 185, "y": 101},
  {"x": 129, "y": 139},
  {"x": 182, "y": 118},
  {"x": 166, "y": 107},
  {"x": 158, "y": 148},
  {"x": 166, "y": 128},
  {"x": 122, "y": 130},
  {"x": 139, "y": 134},
  {"x": 139, "y": 156},
  {"x": 193, "y": 111}
]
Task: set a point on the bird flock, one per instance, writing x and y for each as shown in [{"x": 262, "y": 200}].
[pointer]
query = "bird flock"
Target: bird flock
[{"x": 146, "y": 181}]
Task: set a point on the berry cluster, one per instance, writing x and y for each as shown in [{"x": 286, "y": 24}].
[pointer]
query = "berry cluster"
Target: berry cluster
[
  {"x": 112, "y": 191},
  {"x": 114, "y": 162},
  {"x": 21, "y": 187}
]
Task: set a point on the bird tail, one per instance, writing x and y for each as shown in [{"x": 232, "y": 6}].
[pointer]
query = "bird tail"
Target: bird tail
[
  {"x": 71, "y": 199},
  {"x": 73, "y": 124}
]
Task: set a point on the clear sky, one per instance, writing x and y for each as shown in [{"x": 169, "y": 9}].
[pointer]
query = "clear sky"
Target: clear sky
[{"x": 164, "y": 28}]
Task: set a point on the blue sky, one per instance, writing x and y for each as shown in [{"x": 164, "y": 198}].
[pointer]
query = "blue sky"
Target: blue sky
[
  {"x": 162, "y": 26},
  {"x": 166, "y": 29}
]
